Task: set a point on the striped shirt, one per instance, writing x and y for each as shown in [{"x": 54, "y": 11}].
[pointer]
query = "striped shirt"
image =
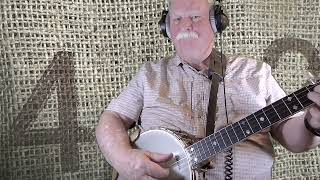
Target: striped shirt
[{"x": 171, "y": 94}]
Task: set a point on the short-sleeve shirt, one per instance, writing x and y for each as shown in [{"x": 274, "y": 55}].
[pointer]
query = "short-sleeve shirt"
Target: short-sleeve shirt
[{"x": 171, "y": 94}]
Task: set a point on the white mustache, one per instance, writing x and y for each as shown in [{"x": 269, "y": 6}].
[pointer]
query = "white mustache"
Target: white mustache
[{"x": 187, "y": 35}]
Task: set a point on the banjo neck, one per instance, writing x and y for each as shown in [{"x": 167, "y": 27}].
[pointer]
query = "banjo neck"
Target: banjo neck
[{"x": 205, "y": 149}]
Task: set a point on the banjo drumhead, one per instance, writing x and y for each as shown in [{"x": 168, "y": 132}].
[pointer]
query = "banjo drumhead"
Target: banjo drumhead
[{"x": 165, "y": 142}]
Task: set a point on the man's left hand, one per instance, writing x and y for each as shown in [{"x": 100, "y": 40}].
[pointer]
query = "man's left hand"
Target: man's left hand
[{"x": 314, "y": 111}]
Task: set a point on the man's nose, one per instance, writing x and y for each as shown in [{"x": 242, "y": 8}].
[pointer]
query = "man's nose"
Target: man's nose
[{"x": 187, "y": 23}]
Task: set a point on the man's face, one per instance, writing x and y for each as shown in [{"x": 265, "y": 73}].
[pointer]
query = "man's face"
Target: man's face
[{"x": 191, "y": 31}]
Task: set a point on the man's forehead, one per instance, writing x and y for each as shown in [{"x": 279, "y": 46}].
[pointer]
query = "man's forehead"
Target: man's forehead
[
  {"x": 208, "y": 1},
  {"x": 184, "y": 6}
]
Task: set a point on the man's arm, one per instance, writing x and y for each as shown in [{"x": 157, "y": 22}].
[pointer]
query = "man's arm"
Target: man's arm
[
  {"x": 293, "y": 134},
  {"x": 112, "y": 135},
  {"x": 114, "y": 143}
]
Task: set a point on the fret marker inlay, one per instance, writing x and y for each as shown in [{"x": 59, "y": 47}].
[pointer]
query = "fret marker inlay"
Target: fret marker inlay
[{"x": 231, "y": 134}]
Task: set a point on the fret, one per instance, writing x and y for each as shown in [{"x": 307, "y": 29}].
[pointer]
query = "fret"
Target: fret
[
  {"x": 232, "y": 134},
  {"x": 245, "y": 127},
  {"x": 282, "y": 109},
  {"x": 302, "y": 96},
  {"x": 225, "y": 137},
  {"x": 192, "y": 149},
  {"x": 256, "y": 120},
  {"x": 220, "y": 141},
  {"x": 304, "y": 90},
  {"x": 204, "y": 152},
  {"x": 271, "y": 114},
  {"x": 211, "y": 149},
  {"x": 262, "y": 119},
  {"x": 298, "y": 100},
  {"x": 275, "y": 110},
  {"x": 309, "y": 87},
  {"x": 200, "y": 155},
  {"x": 286, "y": 105},
  {"x": 252, "y": 121},
  {"x": 238, "y": 131},
  {"x": 194, "y": 152},
  {"x": 198, "y": 150},
  {"x": 215, "y": 143},
  {"x": 292, "y": 103}
]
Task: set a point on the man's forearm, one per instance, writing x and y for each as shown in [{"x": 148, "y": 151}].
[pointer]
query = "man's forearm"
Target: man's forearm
[
  {"x": 112, "y": 137},
  {"x": 293, "y": 135}
]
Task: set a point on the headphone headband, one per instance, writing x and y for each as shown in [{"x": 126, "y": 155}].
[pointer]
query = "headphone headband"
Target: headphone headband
[{"x": 218, "y": 20}]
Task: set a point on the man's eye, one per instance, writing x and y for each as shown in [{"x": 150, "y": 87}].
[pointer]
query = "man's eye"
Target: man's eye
[
  {"x": 176, "y": 20},
  {"x": 195, "y": 18}
]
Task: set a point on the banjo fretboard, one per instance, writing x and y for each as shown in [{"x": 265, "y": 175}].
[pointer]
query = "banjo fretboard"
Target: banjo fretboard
[{"x": 206, "y": 148}]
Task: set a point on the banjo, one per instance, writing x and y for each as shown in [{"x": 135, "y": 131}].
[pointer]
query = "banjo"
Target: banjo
[{"x": 189, "y": 156}]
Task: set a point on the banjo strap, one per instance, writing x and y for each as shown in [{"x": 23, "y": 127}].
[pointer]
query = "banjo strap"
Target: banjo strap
[{"x": 217, "y": 72}]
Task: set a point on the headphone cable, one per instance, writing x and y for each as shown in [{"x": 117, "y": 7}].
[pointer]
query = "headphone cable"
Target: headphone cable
[{"x": 229, "y": 153}]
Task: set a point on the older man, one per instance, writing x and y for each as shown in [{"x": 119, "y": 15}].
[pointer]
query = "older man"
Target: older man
[{"x": 173, "y": 93}]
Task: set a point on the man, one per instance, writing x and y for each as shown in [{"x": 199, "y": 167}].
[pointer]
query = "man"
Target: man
[{"x": 173, "y": 93}]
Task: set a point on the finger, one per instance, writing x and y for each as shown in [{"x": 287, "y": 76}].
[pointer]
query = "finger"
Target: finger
[
  {"x": 146, "y": 177},
  {"x": 159, "y": 158},
  {"x": 156, "y": 171},
  {"x": 317, "y": 89},
  {"x": 315, "y": 117},
  {"x": 315, "y": 97}
]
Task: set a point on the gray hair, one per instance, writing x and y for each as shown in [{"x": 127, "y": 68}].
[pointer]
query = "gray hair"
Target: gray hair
[{"x": 169, "y": 3}]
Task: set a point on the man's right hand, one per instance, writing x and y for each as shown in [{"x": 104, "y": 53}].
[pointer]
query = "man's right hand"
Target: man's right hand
[
  {"x": 114, "y": 143},
  {"x": 139, "y": 164}
]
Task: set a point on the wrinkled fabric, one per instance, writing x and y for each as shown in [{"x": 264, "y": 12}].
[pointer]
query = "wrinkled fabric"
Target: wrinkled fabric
[{"x": 171, "y": 94}]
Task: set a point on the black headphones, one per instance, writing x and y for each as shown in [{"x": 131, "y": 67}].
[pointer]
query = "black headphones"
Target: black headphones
[{"x": 218, "y": 20}]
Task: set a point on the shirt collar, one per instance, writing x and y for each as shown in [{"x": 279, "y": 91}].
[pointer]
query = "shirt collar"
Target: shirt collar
[{"x": 177, "y": 61}]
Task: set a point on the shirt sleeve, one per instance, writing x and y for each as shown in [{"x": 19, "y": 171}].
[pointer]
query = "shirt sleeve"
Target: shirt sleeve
[
  {"x": 130, "y": 101},
  {"x": 274, "y": 91}
]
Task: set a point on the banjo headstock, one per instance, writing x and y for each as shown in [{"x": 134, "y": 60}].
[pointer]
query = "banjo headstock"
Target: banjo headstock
[{"x": 313, "y": 79}]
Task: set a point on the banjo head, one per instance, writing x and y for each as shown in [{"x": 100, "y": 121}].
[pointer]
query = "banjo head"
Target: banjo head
[{"x": 164, "y": 141}]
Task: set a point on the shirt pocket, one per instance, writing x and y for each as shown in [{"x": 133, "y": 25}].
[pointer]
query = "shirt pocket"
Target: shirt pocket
[
  {"x": 246, "y": 104},
  {"x": 247, "y": 96}
]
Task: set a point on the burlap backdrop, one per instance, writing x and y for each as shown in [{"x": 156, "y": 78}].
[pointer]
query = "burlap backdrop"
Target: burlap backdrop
[{"x": 50, "y": 102}]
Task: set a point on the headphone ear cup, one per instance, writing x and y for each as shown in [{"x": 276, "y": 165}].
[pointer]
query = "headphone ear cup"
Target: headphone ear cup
[
  {"x": 165, "y": 24},
  {"x": 168, "y": 26},
  {"x": 218, "y": 19},
  {"x": 213, "y": 19}
]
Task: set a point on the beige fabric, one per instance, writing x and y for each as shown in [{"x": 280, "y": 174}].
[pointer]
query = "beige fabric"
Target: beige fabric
[
  {"x": 110, "y": 40},
  {"x": 173, "y": 95}
]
